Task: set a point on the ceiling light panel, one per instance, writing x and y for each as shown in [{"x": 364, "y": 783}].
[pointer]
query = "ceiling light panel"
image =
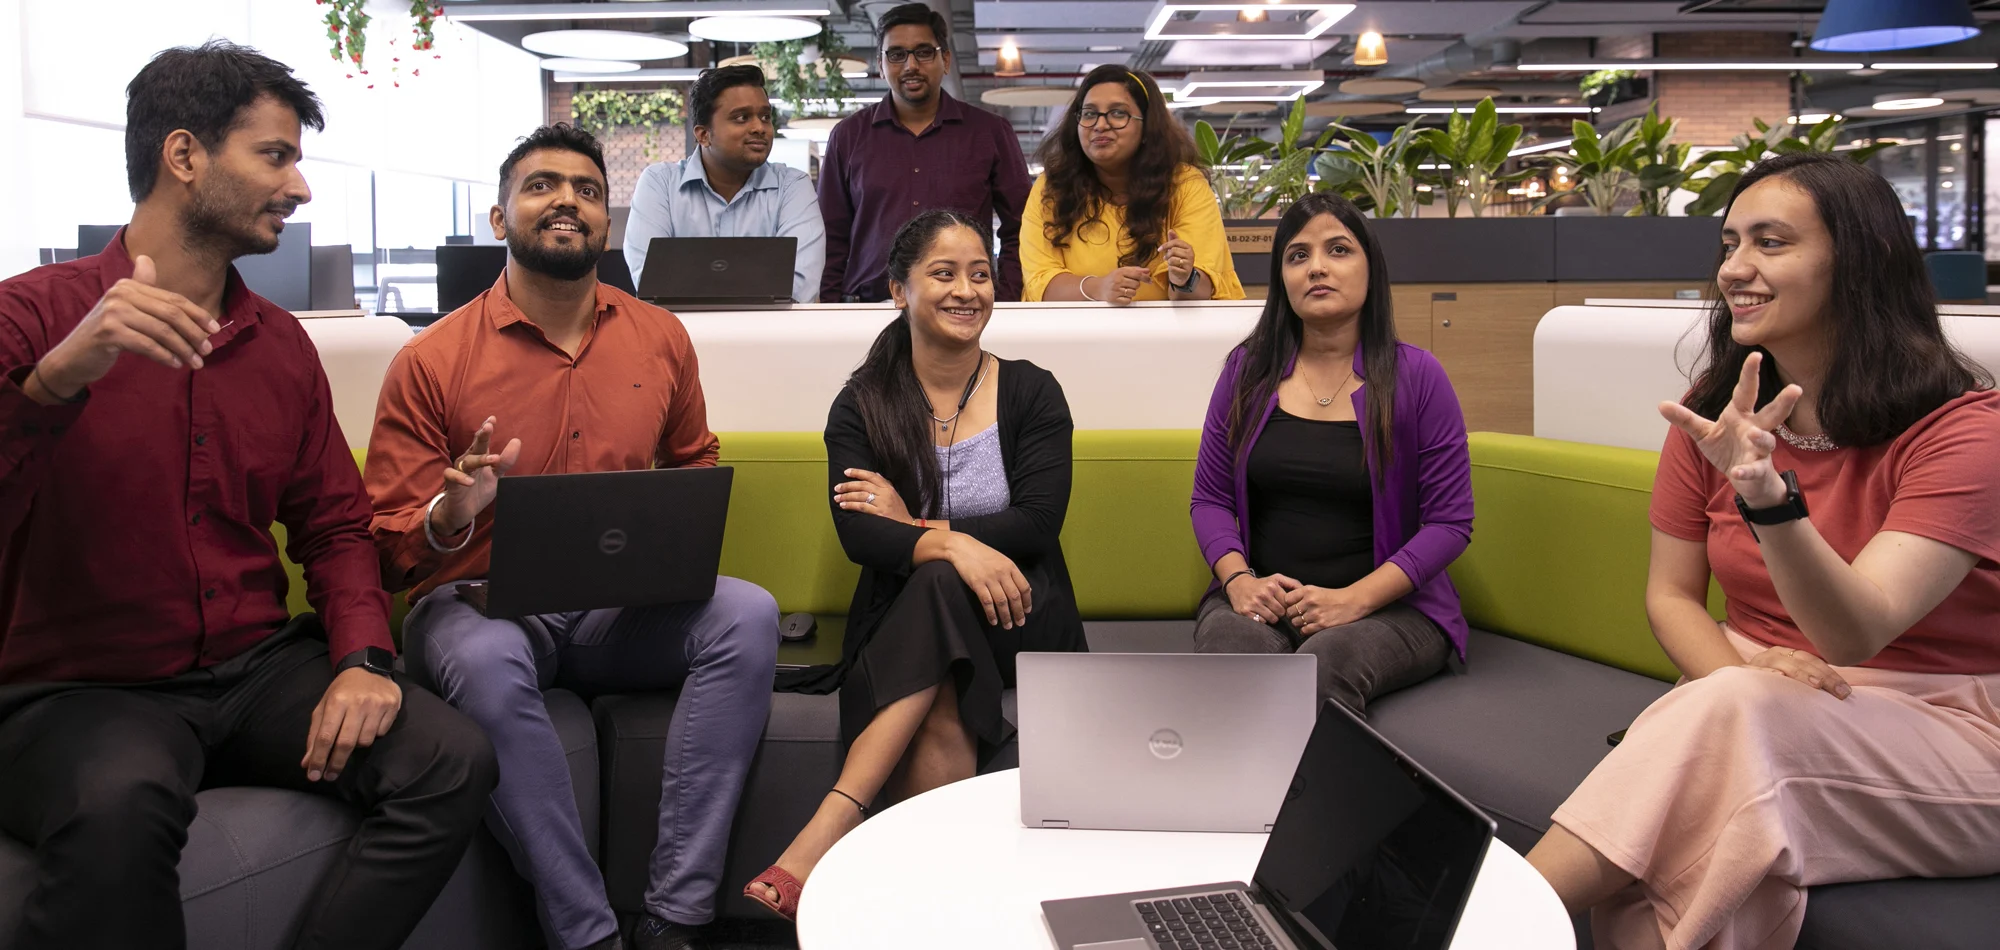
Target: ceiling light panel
[
  {"x": 753, "y": 29},
  {"x": 573, "y": 65},
  {"x": 670, "y": 9},
  {"x": 1782, "y": 65},
  {"x": 1281, "y": 86},
  {"x": 1283, "y": 20},
  {"x": 603, "y": 44}
]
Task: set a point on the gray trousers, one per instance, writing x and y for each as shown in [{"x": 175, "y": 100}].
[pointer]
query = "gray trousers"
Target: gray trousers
[
  {"x": 1385, "y": 651},
  {"x": 721, "y": 653}
]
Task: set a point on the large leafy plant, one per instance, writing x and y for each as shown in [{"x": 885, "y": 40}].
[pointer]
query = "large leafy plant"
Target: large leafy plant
[
  {"x": 1726, "y": 167},
  {"x": 1476, "y": 147},
  {"x": 815, "y": 88},
  {"x": 1379, "y": 176},
  {"x": 1600, "y": 166},
  {"x": 1235, "y": 162},
  {"x": 1659, "y": 165},
  {"x": 602, "y": 110},
  {"x": 1290, "y": 175}
]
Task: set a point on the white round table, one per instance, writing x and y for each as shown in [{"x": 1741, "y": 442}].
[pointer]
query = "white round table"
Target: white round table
[{"x": 954, "y": 868}]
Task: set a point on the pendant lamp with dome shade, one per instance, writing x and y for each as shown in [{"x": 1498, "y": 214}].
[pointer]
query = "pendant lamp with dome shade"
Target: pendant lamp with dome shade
[{"x": 1863, "y": 26}]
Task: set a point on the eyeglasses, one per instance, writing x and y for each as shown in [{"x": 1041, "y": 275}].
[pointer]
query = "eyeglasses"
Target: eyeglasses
[
  {"x": 897, "y": 55},
  {"x": 1116, "y": 118}
]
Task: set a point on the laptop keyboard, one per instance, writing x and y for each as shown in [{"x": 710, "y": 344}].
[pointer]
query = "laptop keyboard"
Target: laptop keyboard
[{"x": 1221, "y": 921}]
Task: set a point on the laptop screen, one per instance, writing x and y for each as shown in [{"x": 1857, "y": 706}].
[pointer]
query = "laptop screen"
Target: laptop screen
[{"x": 1369, "y": 851}]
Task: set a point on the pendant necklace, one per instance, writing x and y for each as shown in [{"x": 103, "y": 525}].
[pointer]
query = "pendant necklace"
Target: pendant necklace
[{"x": 1326, "y": 401}]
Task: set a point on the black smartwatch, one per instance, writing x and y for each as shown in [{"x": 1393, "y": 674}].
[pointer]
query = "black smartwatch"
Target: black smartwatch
[
  {"x": 1791, "y": 509},
  {"x": 373, "y": 659},
  {"x": 1188, "y": 288}
]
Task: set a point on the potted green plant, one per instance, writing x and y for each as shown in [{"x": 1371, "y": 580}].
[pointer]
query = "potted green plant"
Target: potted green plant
[
  {"x": 1379, "y": 176},
  {"x": 815, "y": 89},
  {"x": 1476, "y": 147},
  {"x": 1290, "y": 176},
  {"x": 1235, "y": 162},
  {"x": 1600, "y": 166},
  {"x": 1726, "y": 167}
]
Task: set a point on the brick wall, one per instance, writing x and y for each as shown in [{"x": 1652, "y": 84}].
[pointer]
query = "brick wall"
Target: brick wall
[
  {"x": 1625, "y": 47},
  {"x": 1714, "y": 107},
  {"x": 625, "y": 150}
]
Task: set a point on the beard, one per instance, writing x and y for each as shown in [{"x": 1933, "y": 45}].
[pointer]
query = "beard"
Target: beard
[
  {"x": 222, "y": 218},
  {"x": 561, "y": 263}
]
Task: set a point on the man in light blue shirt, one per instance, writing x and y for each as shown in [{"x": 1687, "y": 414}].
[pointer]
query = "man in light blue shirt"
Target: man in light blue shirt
[{"x": 729, "y": 187}]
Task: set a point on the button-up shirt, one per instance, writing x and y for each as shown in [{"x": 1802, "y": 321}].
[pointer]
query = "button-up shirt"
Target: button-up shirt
[
  {"x": 135, "y": 525},
  {"x": 674, "y": 199},
  {"x": 629, "y": 399},
  {"x": 876, "y": 176}
]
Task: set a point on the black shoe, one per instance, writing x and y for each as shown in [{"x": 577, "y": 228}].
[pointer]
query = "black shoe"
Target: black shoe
[
  {"x": 653, "y": 933},
  {"x": 613, "y": 942}
]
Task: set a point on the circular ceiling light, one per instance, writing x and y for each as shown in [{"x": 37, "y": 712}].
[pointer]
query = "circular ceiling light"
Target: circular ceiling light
[
  {"x": 563, "y": 64},
  {"x": 753, "y": 29},
  {"x": 1346, "y": 107},
  {"x": 849, "y": 66},
  {"x": 603, "y": 44},
  {"x": 1237, "y": 107},
  {"x": 1908, "y": 103},
  {"x": 1381, "y": 86},
  {"x": 1050, "y": 96},
  {"x": 1458, "y": 93}
]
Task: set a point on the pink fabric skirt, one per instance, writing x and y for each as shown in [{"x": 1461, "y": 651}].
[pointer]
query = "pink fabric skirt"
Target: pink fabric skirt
[{"x": 1734, "y": 793}]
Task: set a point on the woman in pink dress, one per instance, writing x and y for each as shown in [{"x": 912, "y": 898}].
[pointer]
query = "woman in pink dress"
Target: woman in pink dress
[{"x": 1840, "y": 725}]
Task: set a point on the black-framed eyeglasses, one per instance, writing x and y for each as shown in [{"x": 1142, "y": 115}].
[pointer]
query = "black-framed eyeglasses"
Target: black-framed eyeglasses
[
  {"x": 1116, "y": 118},
  {"x": 897, "y": 55}
]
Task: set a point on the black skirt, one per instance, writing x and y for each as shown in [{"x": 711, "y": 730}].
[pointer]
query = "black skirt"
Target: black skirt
[{"x": 934, "y": 631}]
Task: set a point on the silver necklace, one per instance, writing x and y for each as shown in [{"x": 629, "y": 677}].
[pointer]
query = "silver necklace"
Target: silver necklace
[
  {"x": 1805, "y": 443},
  {"x": 977, "y": 381}
]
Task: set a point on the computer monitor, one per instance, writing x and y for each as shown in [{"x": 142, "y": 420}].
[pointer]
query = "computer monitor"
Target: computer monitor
[
  {"x": 465, "y": 271},
  {"x": 94, "y": 238},
  {"x": 333, "y": 277},
  {"x": 284, "y": 276}
]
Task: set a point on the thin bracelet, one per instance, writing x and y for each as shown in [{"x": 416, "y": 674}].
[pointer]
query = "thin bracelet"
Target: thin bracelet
[
  {"x": 36, "y": 372},
  {"x": 430, "y": 534},
  {"x": 1085, "y": 293},
  {"x": 921, "y": 523},
  {"x": 1226, "y": 580}
]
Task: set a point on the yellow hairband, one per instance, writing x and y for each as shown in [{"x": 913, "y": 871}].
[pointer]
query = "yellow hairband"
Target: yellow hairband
[{"x": 1141, "y": 84}]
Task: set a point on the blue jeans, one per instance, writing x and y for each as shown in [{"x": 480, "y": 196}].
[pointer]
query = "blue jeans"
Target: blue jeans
[{"x": 721, "y": 653}]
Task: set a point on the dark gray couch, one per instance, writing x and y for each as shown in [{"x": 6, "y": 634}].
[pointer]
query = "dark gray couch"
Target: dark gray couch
[{"x": 254, "y": 855}]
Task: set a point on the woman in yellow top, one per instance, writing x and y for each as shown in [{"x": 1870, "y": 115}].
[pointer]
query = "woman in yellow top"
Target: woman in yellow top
[{"x": 1123, "y": 210}]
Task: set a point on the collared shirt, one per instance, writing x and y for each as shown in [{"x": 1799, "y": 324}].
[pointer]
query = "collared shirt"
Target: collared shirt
[
  {"x": 876, "y": 176},
  {"x": 674, "y": 199},
  {"x": 629, "y": 399},
  {"x": 135, "y": 525}
]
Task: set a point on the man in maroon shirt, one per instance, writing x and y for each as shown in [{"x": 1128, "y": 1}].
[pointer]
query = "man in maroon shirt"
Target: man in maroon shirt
[
  {"x": 155, "y": 418},
  {"x": 917, "y": 150}
]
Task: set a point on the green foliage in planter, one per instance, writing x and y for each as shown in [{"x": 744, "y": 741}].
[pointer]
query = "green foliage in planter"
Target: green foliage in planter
[
  {"x": 1600, "y": 166},
  {"x": 1381, "y": 177},
  {"x": 1604, "y": 79},
  {"x": 1658, "y": 164},
  {"x": 600, "y": 111},
  {"x": 812, "y": 89},
  {"x": 1727, "y": 166},
  {"x": 1476, "y": 147},
  {"x": 1289, "y": 177},
  {"x": 1235, "y": 189}
]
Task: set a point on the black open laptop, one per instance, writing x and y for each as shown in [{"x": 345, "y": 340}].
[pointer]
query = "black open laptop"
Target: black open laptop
[
  {"x": 719, "y": 272},
  {"x": 604, "y": 539},
  {"x": 1369, "y": 850}
]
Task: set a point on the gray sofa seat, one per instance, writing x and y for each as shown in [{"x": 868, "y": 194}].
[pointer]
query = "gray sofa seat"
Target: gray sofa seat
[{"x": 255, "y": 855}]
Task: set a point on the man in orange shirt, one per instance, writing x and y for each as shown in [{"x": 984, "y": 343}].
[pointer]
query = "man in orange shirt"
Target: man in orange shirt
[{"x": 579, "y": 377}]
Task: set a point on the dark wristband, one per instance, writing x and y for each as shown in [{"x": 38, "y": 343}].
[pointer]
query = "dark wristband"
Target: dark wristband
[
  {"x": 1232, "y": 577},
  {"x": 1194, "y": 274}
]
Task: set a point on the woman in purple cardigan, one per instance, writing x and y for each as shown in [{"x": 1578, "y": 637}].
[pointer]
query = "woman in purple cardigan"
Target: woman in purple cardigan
[{"x": 1333, "y": 486}]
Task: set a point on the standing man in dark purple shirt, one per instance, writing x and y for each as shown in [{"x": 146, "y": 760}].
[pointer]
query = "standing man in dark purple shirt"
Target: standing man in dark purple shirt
[
  {"x": 156, "y": 417},
  {"x": 916, "y": 150}
]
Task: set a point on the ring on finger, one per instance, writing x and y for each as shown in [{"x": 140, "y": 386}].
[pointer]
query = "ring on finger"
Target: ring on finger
[{"x": 871, "y": 498}]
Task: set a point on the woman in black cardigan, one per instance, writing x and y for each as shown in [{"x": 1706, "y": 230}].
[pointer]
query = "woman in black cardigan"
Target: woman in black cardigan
[{"x": 950, "y": 473}]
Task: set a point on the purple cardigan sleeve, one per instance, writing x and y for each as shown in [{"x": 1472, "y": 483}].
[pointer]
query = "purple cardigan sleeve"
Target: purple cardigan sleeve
[
  {"x": 1444, "y": 473},
  {"x": 1213, "y": 507}
]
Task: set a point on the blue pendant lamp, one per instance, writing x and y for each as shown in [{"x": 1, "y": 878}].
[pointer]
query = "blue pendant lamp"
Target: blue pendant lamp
[{"x": 1865, "y": 26}]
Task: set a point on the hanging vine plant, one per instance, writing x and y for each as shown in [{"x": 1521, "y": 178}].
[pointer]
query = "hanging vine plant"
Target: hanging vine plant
[
  {"x": 601, "y": 111},
  {"x": 815, "y": 88},
  {"x": 347, "y": 28}
]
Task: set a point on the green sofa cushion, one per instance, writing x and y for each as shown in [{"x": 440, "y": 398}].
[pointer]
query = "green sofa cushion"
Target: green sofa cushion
[{"x": 1559, "y": 548}]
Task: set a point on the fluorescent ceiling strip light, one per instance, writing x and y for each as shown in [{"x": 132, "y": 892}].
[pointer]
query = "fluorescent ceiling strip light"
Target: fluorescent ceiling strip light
[
  {"x": 1940, "y": 64},
  {"x": 1300, "y": 83},
  {"x": 1784, "y": 65},
  {"x": 623, "y": 11},
  {"x": 643, "y": 75},
  {"x": 1514, "y": 110},
  {"x": 1325, "y": 15},
  {"x": 1543, "y": 147}
]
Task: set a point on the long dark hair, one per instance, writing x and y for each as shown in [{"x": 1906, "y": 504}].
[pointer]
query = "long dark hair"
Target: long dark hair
[
  {"x": 893, "y": 406},
  {"x": 1070, "y": 185},
  {"x": 1891, "y": 363},
  {"x": 1274, "y": 343}
]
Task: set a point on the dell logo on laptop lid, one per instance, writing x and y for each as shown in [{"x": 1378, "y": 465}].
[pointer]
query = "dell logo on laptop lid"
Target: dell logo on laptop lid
[
  {"x": 612, "y": 542},
  {"x": 1165, "y": 744}
]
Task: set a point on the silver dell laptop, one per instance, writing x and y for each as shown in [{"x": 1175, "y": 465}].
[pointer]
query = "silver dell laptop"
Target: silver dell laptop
[
  {"x": 1370, "y": 851},
  {"x": 1160, "y": 741}
]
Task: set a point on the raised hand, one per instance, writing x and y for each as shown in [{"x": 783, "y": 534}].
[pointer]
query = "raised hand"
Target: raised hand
[
  {"x": 1260, "y": 598},
  {"x": 1180, "y": 259},
  {"x": 472, "y": 481},
  {"x": 870, "y": 493},
  {"x": 1739, "y": 442},
  {"x": 1118, "y": 287},
  {"x": 134, "y": 316}
]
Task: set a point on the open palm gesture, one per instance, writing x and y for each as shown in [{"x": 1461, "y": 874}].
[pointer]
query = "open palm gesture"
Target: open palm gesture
[{"x": 1739, "y": 442}]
